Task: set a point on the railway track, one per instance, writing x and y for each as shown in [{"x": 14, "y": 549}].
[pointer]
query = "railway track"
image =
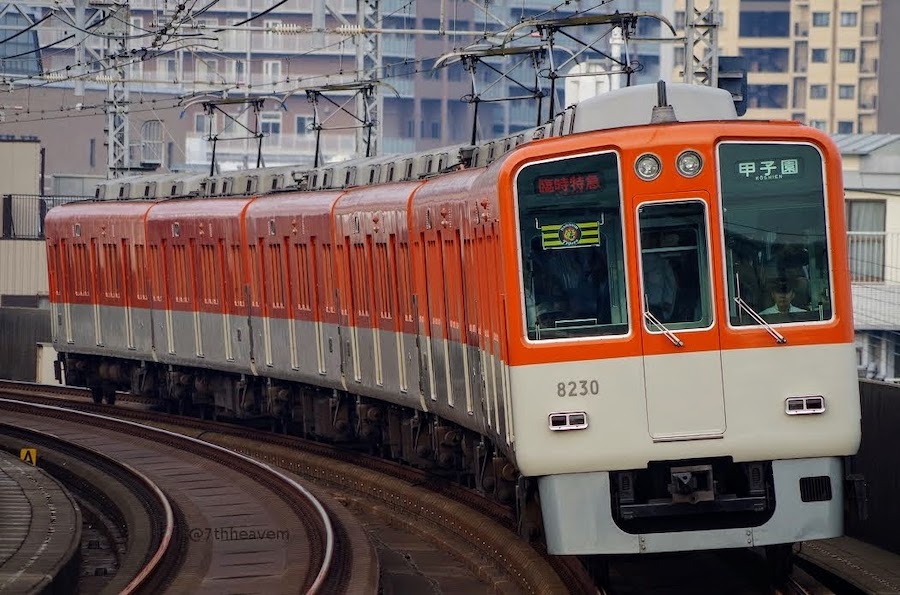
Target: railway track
[
  {"x": 474, "y": 530},
  {"x": 219, "y": 497},
  {"x": 442, "y": 512},
  {"x": 129, "y": 521}
]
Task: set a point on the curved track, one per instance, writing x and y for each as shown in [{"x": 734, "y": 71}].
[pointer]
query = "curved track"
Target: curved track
[
  {"x": 222, "y": 499},
  {"x": 479, "y": 532}
]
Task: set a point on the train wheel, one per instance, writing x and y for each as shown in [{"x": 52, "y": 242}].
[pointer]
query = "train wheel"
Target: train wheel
[
  {"x": 97, "y": 394},
  {"x": 780, "y": 560},
  {"x": 108, "y": 392},
  {"x": 278, "y": 425}
]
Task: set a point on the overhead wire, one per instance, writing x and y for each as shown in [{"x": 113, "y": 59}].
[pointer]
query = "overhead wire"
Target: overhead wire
[{"x": 26, "y": 29}]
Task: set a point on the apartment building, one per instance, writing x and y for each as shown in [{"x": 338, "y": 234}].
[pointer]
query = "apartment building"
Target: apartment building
[
  {"x": 185, "y": 99},
  {"x": 822, "y": 62}
]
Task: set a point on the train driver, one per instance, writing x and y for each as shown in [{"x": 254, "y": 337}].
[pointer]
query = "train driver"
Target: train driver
[{"x": 782, "y": 295}]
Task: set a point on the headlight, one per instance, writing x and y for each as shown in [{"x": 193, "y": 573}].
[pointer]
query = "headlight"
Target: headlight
[
  {"x": 647, "y": 167},
  {"x": 689, "y": 164}
]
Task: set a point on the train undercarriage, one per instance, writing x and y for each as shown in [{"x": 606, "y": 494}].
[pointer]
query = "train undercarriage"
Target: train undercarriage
[{"x": 422, "y": 440}]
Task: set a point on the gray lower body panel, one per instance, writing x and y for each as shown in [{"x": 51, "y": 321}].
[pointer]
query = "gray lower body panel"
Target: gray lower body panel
[{"x": 578, "y": 518}]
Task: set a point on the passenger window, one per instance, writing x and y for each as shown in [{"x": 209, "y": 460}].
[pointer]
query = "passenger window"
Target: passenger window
[
  {"x": 573, "y": 267},
  {"x": 776, "y": 240},
  {"x": 675, "y": 266}
]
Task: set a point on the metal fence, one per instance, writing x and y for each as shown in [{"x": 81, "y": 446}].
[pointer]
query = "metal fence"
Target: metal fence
[{"x": 22, "y": 215}]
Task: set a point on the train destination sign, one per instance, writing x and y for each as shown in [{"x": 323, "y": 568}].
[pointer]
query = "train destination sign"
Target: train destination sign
[
  {"x": 763, "y": 170},
  {"x": 567, "y": 183}
]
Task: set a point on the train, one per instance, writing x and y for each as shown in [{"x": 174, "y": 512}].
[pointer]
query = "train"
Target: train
[{"x": 633, "y": 323}]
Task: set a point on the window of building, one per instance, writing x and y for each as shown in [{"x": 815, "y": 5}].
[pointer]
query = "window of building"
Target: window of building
[
  {"x": 427, "y": 70},
  {"x": 455, "y": 71},
  {"x": 303, "y": 124},
  {"x": 845, "y": 127},
  {"x": 818, "y": 91},
  {"x": 865, "y": 231},
  {"x": 846, "y": 91},
  {"x": 767, "y": 96},
  {"x": 760, "y": 59},
  {"x": 272, "y": 71},
  {"x": 679, "y": 19},
  {"x": 821, "y": 19},
  {"x": 820, "y": 55},
  {"x": 200, "y": 124},
  {"x": 169, "y": 70},
  {"x": 228, "y": 123},
  {"x": 270, "y": 123},
  {"x": 19, "y": 50},
  {"x": 237, "y": 71},
  {"x": 765, "y": 24},
  {"x": 433, "y": 25},
  {"x": 206, "y": 70},
  {"x": 848, "y": 19},
  {"x": 270, "y": 38},
  {"x": 819, "y": 124},
  {"x": 847, "y": 55}
]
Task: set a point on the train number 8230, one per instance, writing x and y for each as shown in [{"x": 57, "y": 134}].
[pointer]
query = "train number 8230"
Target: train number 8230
[{"x": 578, "y": 388}]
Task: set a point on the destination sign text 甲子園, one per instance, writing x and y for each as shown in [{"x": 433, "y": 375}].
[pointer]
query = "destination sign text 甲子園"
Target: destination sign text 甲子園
[
  {"x": 763, "y": 170},
  {"x": 567, "y": 183}
]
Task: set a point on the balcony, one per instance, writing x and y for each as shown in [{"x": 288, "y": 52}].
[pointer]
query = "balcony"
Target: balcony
[
  {"x": 870, "y": 30},
  {"x": 869, "y": 66},
  {"x": 874, "y": 256},
  {"x": 868, "y": 103}
]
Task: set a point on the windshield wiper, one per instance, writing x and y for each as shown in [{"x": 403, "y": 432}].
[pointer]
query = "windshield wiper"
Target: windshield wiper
[
  {"x": 669, "y": 334},
  {"x": 779, "y": 338}
]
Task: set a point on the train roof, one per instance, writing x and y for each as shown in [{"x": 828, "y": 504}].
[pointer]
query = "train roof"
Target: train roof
[{"x": 629, "y": 106}]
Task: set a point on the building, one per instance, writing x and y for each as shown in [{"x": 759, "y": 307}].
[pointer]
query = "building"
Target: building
[
  {"x": 256, "y": 89},
  {"x": 872, "y": 189},
  {"x": 822, "y": 62}
]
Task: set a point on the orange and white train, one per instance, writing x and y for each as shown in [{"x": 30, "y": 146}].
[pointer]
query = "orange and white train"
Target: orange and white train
[{"x": 634, "y": 321}]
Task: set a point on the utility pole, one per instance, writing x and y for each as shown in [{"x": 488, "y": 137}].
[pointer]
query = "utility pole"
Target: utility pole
[
  {"x": 118, "y": 160},
  {"x": 369, "y": 106},
  {"x": 701, "y": 43}
]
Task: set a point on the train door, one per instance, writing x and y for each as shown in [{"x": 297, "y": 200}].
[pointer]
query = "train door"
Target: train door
[
  {"x": 682, "y": 357},
  {"x": 429, "y": 310},
  {"x": 65, "y": 287},
  {"x": 95, "y": 282},
  {"x": 125, "y": 271}
]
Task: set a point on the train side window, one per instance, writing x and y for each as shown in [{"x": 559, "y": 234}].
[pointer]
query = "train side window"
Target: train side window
[
  {"x": 573, "y": 264},
  {"x": 776, "y": 235},
  {"x": 675, "y": 284}
]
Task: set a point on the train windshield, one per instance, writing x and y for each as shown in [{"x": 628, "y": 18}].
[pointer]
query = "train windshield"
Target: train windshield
[
  {"x": 573, "y": 266},
  {"x": 776, "y": 242},
  {"x": 675, "y": 265}
]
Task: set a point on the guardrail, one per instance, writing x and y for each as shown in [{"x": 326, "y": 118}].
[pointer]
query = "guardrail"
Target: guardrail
[{"x": 22, "y": 215}]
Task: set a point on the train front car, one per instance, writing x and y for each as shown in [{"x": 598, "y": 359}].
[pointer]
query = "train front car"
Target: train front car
[{"x": 681, "y": 360}]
